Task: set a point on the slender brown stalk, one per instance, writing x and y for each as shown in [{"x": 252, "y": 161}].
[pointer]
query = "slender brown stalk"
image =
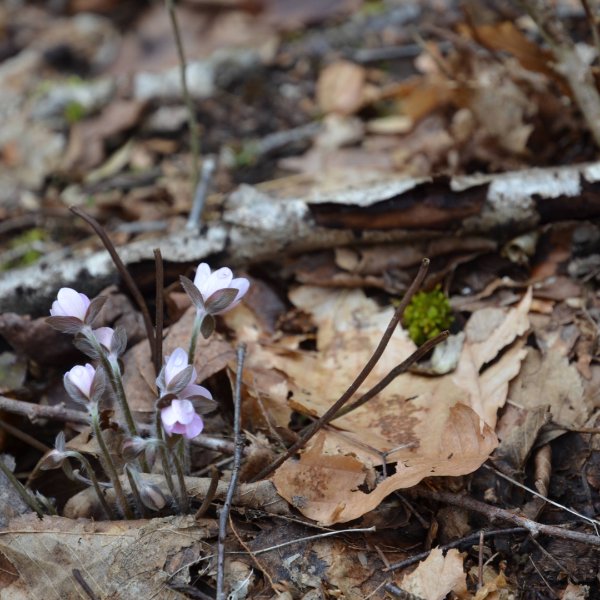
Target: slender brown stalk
[
  {"x": 28, "y": 498},
  {"x": 158, "y": 335},
  {"x": 404, "y": 366},
  {"x": 235, "y": 472},
  {"x": 210, "y": 494},
  {"x": 193, "y": 122},
  {"x": 127, "y": 278},
  {"x": 336, "y": 406}
]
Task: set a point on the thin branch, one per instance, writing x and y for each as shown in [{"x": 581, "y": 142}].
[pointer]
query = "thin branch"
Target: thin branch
[
  {"x": 404, "y": 366},
  {"x": 27, "y": 498},
  {"x": 494, "y": 512},
  {"x": 67, "y": 415},
  {"x": 210, "y": 494},
  {"x": 126, "y": 276},
  {"x": 394, "y": 590},
  {"x": 593, "y": 522},
  {"x": 158, "y": 334},
  {"x": 336, "y": 406},
  {"x": 193, "y": 122},
  {"x": 480, "y": 561},
  {"x": 468, "y": 540},
  {"x": 24, "y": 437},
  {"x": 239, "y": 447},
  {"x": 310, "y": 538},
  {"x": 85, "y": 586}
]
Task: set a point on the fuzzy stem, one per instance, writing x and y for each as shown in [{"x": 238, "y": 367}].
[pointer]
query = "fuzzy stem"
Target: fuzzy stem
[
  {"x": 30, "y": 500},
  {"x": 178, "y": 455},
  {"x": 164, "y": 457},
  {"x": 194, "y": 338},
  {"x": 111, "y": 470},
  {"x": 92, "y": 477},
  {"x": 136, "y": 493}
]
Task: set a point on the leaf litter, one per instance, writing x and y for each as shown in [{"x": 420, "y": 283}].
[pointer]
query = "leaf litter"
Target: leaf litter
[{"x": 520, "y": 372}]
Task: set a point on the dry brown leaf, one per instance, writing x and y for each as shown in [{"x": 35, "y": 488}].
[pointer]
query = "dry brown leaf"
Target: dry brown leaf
[
  {"x": 325, "y": 487},
  {"x": 437, "y": 576},
  {"x": 341, "y": 87},
  {"x": 117, "y": 559},
  {"x": 549, "y": 380}
]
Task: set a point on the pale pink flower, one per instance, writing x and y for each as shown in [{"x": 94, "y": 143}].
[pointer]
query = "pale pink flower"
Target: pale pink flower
[
  {"x": 70, "y": 303},
  {"x": 208, "y": 283},
  {"x": 104, "y": 335},
  {"x": 180, "y": 417},
  {"x": 82, "y": 377},
  {"x": 176, "y": 362}
]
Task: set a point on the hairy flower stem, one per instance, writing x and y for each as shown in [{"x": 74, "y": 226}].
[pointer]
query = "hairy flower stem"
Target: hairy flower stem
[
  {"x": 178, "y": 456},
  {"x": 113, "y": 372},
  {"x": 30, "y": 500},
  {"x": 136, "y": 494},
  {"x": 92, "y": 477},
  {"x": 109, "y": 466},
  {"x": 164, "y": 457},
  {"x": 194, "y": 338}
]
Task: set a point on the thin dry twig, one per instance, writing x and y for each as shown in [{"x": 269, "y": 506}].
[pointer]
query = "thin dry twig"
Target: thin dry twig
[
  {"x": 85, "y": 586},
  {"x": 24, "y": 437},
  {"x": 465, "y": 541},
  {"x": 239, "y": 448},
  {"x": 334, "y": 409},
  {"x": 158, "y": 334},
  {"x": 400, "y": 593},
  {"x": 208, "y": 168},
  {"x": 210, "y": 494},
  {"x": 593, "y": 522},
  {"x": 193, "y": 122},
  {"x": 480, "y": 561},
  {"x": 494, "y": 513},
  {"x": 67, "y": 415},
  {"x": 127, "y": 278}
]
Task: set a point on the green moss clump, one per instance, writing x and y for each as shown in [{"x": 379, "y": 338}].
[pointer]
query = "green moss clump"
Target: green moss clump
[
  {"x": 74, "y": 112},
  {"x": 427, "y": 315}
]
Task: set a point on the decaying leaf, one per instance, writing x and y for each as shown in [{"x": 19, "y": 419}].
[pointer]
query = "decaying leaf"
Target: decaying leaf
[
  {"x": 437, "y": 576},
  {"x": 120, "y": 559}
]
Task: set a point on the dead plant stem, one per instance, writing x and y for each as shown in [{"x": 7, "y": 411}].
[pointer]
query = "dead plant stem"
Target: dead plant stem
[
  {"x": 159, "y": 316},
  {"x": 193, "y": 122},
  {"x": 239, "y": 447},
  {"x": 345, "y": 397},
  {"x": 127, "y": 278}
]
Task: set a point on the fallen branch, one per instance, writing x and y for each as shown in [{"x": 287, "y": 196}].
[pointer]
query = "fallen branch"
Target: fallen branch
[{"x": 494, "y": 513}]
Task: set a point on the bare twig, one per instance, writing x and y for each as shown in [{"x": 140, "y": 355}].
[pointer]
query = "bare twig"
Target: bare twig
[
  {"x": 395, "y": 372},
  {"x": 400, "y": 593},
  {"x": 480, "y": 561},
  {"x": 595, "y": 524},
  {"x": 468, "y": 540},
  {"x": 552, "y": 592},
  {"x": 494, "y": 512},
  {"x": 158, "y": 333},
  {"x": 24, "y": 437},
  {"x": 345, "y": 397},
  {"x": 85, "y": 586},
  {"x": 239, "y": 447},
  {"x": 28, "y": 498},
  {"x": 210, "y": 494},
  {"x": 310, "y": 538},
  {"x": 59, "y": 413},
  {"x": 127, "y": 278},
  {"x": 193, "y": 122}
]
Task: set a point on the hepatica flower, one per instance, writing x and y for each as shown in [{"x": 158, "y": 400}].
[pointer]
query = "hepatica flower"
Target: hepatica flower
[
  {"x": 72, "y": 311},
  {"x": 181, "y": 417},
  {"x": 114, "y": 341},
  {"x": 213, "y": 293},
  {"x": 84, "y": 383}
]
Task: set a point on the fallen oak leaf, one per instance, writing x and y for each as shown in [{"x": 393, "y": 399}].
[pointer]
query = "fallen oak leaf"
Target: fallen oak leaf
[{"x": 327, "y": 488}]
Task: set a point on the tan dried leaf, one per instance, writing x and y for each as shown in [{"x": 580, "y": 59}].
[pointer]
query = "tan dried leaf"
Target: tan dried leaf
[
  {"x": 437, "y": 576},
  {"x": 341, "y": 87}
]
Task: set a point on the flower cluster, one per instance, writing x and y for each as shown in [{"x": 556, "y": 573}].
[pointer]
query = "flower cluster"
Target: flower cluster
[{"x": 180, "y": 401}]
